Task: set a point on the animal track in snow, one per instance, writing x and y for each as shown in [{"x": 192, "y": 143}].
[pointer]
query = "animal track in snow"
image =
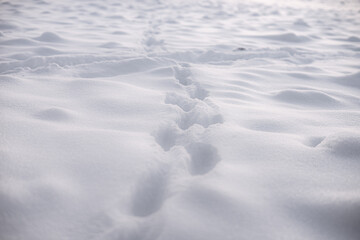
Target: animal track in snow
[
  {"x": 201, "y": 114},
  {"x": 204, "y": 158},
  {"x": 184, "y": 103},
  {"x": 196, "y": 91},
  {"x": 150, "y": 40},
  {"x": 182, "y": 74},
  {"x": 166, "y": 136},
  {"x": 150, "y": 193},
  {"x": 182, "y": 140},
  {"x": 196, "y": 110}
]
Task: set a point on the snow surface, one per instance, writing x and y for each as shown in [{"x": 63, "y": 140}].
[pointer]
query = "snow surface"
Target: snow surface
[{"x": 180, "y": 120}]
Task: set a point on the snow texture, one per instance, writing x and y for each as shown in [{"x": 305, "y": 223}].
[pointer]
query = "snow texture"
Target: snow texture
[{"x": 180, "y": 120}]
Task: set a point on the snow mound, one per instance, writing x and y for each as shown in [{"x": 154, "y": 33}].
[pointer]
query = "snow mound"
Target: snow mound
[
  {"x": 49, "y": 37},
  {"x": 287, "y": 37},
  {"x": 306, "y": 97},
  {"x": 343, "y": 144}
]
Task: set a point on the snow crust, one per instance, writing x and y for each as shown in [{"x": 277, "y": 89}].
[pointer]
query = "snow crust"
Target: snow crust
[{"x": 180, "y": 120}]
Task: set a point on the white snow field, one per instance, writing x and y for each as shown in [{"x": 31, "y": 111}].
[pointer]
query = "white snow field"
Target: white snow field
[{"x": 180, "y": 120}]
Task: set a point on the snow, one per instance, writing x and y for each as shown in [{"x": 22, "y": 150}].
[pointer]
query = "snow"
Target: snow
[{"x": 152, "y": 119}]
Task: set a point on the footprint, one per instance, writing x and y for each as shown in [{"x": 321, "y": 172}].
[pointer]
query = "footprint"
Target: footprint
[
  {"x": 150, "y": 193},
  {"x": 201, "y": 114},
  {"x": 182, "y": 74},
  {"x": 184, "y": 103},
  {"x": 166, "y": 136},
  {"x": 196, "y": 91},
  {"x": 152, "y": 42},
  {"x": 204, "y": 158}
]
